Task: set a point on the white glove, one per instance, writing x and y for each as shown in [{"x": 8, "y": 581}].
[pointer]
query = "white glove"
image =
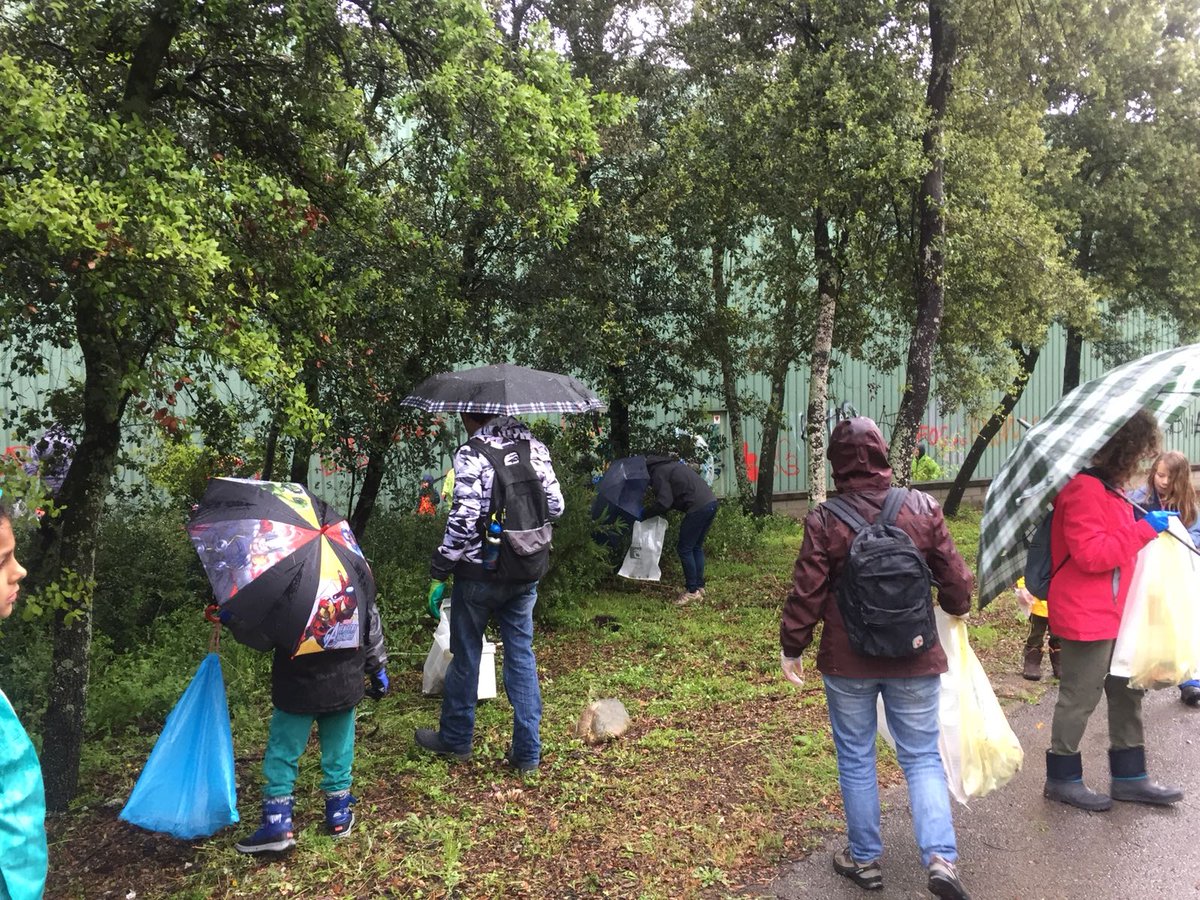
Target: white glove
[{"x": 793, "y": 668}]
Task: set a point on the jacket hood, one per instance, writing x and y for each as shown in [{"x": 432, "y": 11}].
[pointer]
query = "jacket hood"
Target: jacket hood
[
  {"x": 657, "y": 459},
  {"x": 858, "y": 455},
  {"x": 506, "y": 428}
]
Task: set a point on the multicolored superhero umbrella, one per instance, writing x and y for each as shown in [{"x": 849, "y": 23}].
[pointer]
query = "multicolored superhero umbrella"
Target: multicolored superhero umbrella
[{"x": 282, "y": 562}]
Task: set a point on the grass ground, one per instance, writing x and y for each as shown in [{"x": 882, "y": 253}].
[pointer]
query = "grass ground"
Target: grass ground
[{"x": 727, "y": 770}]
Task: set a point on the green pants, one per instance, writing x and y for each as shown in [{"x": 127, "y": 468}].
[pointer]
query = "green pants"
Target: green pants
[
  {"x": 1084, "y": 677},
  {"x": 287, "y": 740}
]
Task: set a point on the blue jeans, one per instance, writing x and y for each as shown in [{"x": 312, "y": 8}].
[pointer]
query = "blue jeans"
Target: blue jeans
[
  {"x": 692, "y": 531},
  {"x": 911, "y": 707},
  {"x": 472, "y": 604}
]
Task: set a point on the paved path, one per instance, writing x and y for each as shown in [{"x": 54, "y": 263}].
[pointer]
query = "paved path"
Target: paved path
[{"x": 1015, "y": 845}]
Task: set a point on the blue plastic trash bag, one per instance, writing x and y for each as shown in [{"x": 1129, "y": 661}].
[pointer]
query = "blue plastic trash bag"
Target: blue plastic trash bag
[{"x": 187, "y": 788}]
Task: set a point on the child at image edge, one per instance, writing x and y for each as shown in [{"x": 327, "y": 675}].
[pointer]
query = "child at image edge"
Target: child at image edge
[
  {"x": 1169, "y": 487},
  {"x": 22, "y": 797}
]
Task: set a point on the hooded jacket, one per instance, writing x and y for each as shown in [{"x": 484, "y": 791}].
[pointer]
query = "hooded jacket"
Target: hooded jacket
[
  {"x": 676, "y": 485},
  {"x": 861, "y": 474},
  {"x": 460, "y": 549}
]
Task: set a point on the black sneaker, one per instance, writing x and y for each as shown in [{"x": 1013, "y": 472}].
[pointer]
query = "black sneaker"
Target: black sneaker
[
  {"x": 943, "y": 880},
  {"x": 867, "y": 876},
  {"x": 428, "y": 739}
]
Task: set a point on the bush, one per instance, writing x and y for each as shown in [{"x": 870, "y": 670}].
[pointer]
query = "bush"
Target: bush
[
  {"x": 145, "y": 568},
  {"x": 734, "y": 534}
]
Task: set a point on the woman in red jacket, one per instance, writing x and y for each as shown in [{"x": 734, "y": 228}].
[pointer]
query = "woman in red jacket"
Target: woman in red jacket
[{"x": 1094, "y": 541}]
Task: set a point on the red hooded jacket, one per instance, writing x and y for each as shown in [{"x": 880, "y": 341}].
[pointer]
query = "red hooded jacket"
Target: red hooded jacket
[
  {"x": 1094, "y": 542},
  {"x": 861, "y": 473}
]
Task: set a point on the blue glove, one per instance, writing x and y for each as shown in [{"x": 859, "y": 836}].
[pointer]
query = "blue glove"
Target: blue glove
[
  {"x": 1160, "y": 519},
  {"x": 436, "y": 589},
  {"x": 379, "y": 685}
]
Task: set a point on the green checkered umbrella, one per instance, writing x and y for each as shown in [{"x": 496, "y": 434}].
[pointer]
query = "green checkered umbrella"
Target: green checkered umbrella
[{"x": 1063, "y": 443}]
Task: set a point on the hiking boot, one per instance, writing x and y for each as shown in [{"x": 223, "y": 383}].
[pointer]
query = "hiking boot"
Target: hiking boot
[
  {"x": 1064, "y": 783},
  {"x": 688, "y": 597},
  {"x": 867, "y": 876},
  {"x": 1131, "y": 784},
  {"x": 1190, "y": 694},
  {"x": 943, "y": 880},
  {"x": 275, "y": 833},
  {"x": 339, "y": 817},
  {"x": 1033, "y": 664},
  {"x": 431, "y": 740}
]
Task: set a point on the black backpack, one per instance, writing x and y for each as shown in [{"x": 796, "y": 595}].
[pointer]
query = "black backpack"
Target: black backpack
[
  {"x": 885, "y": 591},
  {"x": 519, "y": 505}
]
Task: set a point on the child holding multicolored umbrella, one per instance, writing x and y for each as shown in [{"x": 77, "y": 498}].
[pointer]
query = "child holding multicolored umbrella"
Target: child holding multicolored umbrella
[{"x": 302, "y": 588}]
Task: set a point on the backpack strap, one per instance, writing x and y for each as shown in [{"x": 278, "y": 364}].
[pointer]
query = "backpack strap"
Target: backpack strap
[
  {"x": 892, "y": 505},
  {"x": 841, "y": 508}
]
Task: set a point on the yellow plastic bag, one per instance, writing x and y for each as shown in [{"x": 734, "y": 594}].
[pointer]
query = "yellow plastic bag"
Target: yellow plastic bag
[
  {"x": 981, "y": 752},
  {"x": 1158, "y": 644}
]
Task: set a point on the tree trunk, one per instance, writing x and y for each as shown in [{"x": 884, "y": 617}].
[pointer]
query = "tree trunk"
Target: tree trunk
[
  {"x": 990, "y": 428},
  {"x": 618, "y": 414},
  {"x": 764, "y": 496},
  {"x": 784, "y": 355},
  {"x": 302, "y": 448},
  {"x": 828, "y": 289},
  {"x": 271, "y": 448},
  {"x": 729, "y": 390},
  {"x": 372, "y": 481},
  {"x": 931, "y": 262},
  {"x": 1073, "y": 360},
  {"x": 70, "y": 560}
]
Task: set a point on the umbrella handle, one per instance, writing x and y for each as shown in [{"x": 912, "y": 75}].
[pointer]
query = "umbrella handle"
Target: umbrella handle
[
  {"x": 212, "y": 613},
  {"x": 1143, "y": 510}
]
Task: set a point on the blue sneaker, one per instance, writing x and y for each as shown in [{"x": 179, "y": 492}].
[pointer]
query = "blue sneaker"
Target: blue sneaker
[
  {"x": 275, "y": 833},
  {"x": 339, "y": 817}
]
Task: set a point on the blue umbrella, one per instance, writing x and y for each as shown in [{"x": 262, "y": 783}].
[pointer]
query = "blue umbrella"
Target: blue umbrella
[{"x": 623, "y": 487}]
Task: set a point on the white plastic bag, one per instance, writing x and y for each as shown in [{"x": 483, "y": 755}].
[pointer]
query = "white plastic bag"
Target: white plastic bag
[
  {"x": 641, "y": 562},
  {"x": 980, "y": 752},
  {"x": 437, "y": 661},
  {"x": 1158, "y": 643}
]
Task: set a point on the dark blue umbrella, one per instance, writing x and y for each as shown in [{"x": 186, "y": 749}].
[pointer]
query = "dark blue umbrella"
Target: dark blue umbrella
[{"x": 622, "y": 487}]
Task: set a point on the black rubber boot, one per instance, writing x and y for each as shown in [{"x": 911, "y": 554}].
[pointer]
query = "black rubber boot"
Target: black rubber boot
[
  {"x": 1064, "y": 782},
  {"x": 1055, "y": 655},
  {"x": 1131, "y": 783},
  {"x": 1032, "y": 670}
]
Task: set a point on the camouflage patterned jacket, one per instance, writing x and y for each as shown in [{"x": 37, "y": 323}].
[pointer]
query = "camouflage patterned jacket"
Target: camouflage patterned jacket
[{"x": 473, "y": 476}]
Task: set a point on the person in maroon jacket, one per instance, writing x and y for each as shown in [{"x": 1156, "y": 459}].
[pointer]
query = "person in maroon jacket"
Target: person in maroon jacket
[
  {"x": 1094, "y": 541},
  {"x": 909, "y": 686}
]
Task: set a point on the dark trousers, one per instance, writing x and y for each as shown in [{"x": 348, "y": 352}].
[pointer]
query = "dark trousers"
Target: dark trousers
[
  {"x": 692, "y": 531},
  {"x": 1084, "y": 678}
]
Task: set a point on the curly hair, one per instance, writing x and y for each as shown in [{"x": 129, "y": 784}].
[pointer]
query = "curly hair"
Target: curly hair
[{"x": 1136, "y": 441}]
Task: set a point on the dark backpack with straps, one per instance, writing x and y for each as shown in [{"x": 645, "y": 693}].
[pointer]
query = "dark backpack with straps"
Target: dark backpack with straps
[
  {"x": 885, "y": 591},
  {"x": 519, "y": 504}
]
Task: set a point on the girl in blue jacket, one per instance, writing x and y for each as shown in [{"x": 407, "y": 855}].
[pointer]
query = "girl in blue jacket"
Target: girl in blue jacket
[{"x": 1170, "y": 487}]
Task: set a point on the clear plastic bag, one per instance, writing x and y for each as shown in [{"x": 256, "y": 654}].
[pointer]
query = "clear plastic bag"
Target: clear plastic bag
[
  {"x": 187, "y": 787},
  {"x": 645, "y": 550},
  {"x": 1158, "y": 643}
]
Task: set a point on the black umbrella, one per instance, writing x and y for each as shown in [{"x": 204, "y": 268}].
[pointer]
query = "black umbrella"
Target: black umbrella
[
  {"x": 283, "y": 562},
  {"x": 503, "y": 389},
  {"x": 623, "y": 486}
]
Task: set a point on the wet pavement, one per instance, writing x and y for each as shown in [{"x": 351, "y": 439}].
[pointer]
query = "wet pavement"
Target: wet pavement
[{"x": 1016, "y": 845}]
